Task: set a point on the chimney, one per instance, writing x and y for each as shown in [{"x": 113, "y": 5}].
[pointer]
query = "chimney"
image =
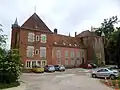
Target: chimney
[
  {"x": 75, "y": 34},
  {"x": 55, "y": 31}
]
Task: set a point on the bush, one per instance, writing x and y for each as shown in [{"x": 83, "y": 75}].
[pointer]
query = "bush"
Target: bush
[
  {"x": 3, "y": 86},
  {"x": 10, "y": 66}
]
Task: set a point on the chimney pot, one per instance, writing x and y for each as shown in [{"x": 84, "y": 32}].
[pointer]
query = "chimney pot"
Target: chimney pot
[
  {"x": 75, "y": 34},
  {"x": 55, "y": 31}
]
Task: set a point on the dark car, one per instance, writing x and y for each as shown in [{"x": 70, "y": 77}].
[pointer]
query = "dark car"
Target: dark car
[
  {"x": 114, "y": 67},
  {"x": 49, "y": 68},
  {"x": 59, "y": 68},
  {"x": 93, "y": 65}
]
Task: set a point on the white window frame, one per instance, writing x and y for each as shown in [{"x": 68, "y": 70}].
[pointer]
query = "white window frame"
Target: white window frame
[
  {"x": 30, "y": 51},
  {"x": 58, "y": 54},
  {"x": 36, "y": 50},
  {"x": 43, "y": 50},
  {"x": 28, "y": 64},
  {"x": 78, "y": 54},
  {"x": 36, "y": 62},
  {"x": 37, "y": 38},
  {"x": 72, "y": 61},
  {"x": 43, "y": 35},
  {"x": 66, "y": 54},
  {"x": 72, "y": 54},
  {"x": 66, "y": 62},
  {"x": 31, "y": 37}
]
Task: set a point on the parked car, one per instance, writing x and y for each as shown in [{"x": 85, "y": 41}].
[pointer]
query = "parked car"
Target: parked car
[
  {"x": 59, "y": 68},
  {"x": 38, "y": 69},
  {"x": 114, "y": 67},
  {"x": 49, "y": 68},
  {"x": 93, "y": 65},
  {"x": 89, "y": 66},
  {"x": 105, "y": 72}
]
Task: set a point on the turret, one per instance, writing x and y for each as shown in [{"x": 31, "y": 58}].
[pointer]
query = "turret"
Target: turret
[{"x": 15, "y": 25}]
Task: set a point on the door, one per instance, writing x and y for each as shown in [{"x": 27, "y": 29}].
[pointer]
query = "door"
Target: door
[{"x": 102, "y": 73}]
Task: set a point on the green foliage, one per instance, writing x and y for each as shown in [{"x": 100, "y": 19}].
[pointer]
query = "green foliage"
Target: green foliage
[
  {"x": 3, "y": 38},
  {"x": 111, "y": 39},
  {"x": 10, "y": 63},
  {"x": 4, "y": 86},
  {"x": 10, "y": 67}
]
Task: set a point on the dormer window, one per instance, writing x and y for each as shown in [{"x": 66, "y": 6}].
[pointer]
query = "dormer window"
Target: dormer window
[
  {"x": 36, "y": 26},
  {"x": 64, "y": 43},
  {"x": 69, "y": 44},
  {"x": 55, "y": 42},
  {"x": 75, "y": 45}
]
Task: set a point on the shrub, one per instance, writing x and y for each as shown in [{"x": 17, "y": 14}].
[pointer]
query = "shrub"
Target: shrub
[{"x": 10, "y": 66}]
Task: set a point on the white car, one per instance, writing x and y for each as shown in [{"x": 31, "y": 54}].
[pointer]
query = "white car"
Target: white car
[{"x": 105, "y": 72}]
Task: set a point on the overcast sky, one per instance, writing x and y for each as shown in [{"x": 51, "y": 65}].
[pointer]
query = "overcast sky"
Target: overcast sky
[{"x": 65, "y": 15}]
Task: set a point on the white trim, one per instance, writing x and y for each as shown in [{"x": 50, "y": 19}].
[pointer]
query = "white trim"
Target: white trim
[
  {"x": 36, "y": 63},
  {"x": 36, "y": 50},
  {"x": 37, "y": 38}
]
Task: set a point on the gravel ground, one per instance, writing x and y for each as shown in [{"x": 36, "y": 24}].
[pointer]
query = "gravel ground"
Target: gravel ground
[{"x": 72, "y": 79}]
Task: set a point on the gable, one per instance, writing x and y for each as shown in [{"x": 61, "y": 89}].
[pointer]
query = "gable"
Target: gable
[{"x": 34, "y": 22}]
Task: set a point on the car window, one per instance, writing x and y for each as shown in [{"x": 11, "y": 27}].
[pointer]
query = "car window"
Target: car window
[{"x": 102, "y": 70}]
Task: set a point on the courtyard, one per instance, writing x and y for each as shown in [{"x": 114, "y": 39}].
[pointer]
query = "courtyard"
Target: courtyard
[{"x": 71, "y": 79}]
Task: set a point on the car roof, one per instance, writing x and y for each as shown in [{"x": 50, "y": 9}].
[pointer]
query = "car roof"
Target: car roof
[{"x": 101, "y": 68}]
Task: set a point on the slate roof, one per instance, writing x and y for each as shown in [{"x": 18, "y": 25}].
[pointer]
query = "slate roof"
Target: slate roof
[
  {"x": 87, "y": 33},
  {"x": 67, "y": 41}
]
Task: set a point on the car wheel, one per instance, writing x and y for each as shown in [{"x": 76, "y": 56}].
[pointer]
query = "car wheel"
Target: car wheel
[
  {"x": 94, "y": 75},
  {"x": 112, "y": 77}
]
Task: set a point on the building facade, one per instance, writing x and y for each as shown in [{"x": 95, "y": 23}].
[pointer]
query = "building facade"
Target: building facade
[
  {"x": 94, "y": 47},
  {"x": 38, "y": 45}
]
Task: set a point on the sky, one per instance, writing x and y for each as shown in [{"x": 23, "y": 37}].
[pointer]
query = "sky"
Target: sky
[{"x": 68, "y": 16}]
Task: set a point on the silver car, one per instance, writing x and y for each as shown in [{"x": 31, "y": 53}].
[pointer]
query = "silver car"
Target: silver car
[{"x": 105, "y": 72}]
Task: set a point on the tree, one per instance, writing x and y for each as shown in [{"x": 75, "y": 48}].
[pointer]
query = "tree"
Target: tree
[
  {"x": 10, "y": 67},
  {"x": 10, "y": 63},
  {"x": 110, "y": 38}
]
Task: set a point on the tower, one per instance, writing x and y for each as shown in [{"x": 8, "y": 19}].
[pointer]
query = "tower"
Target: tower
[{"x": 15, "y": 25}]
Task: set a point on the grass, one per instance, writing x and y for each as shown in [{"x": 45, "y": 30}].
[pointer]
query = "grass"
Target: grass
[{"x": 4, "y": 86}]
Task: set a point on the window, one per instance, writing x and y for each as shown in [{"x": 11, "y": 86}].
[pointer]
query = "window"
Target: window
[
  {"x": 43, "y": 63},
  {"x": 39, "y": 63},
  {"x": 102, "y": 70},
  {"x": 66, "y": 62},
  {"x": 72, "y": 62},
  {"x": 36, "y": 51},
  {"x": 72, "y": 54},
  {"x": 69, "y": 44},
  {"x": 33, "y": 64},
  {"x": 30, "y": 51},
  {"x": 78, "y": 62},
  {"x": 37, "y": 38},
  {"x": 31, "y": 37},
  {"x": 43, "y": 52},
  {"x": 28, "y": 64},
  {"x": 43, "y": 38},
  {"x": 82, "y": 54},
  {"x": 66, "y": 54},
  {"x": 78, "y": 54},
  {"x": 58, "y": 54}
]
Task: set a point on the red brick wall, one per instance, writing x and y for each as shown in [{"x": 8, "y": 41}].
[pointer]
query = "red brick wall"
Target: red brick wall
[{"x": 63, "y": 58}]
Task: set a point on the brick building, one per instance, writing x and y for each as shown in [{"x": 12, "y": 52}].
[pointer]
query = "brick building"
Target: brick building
[
  {"x": 38, "y": 45},
  {"x": 94, "y": 47}
]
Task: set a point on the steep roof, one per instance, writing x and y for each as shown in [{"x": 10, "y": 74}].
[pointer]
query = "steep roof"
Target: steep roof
[
  {"x": 67, "y": 41},
  {"x": 35, "y": 22}
]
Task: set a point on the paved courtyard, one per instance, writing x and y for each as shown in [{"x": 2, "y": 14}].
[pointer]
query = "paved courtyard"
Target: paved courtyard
[{"x": 72, "y": 79}]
